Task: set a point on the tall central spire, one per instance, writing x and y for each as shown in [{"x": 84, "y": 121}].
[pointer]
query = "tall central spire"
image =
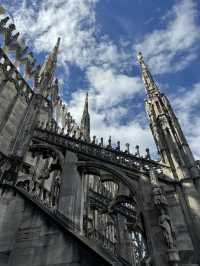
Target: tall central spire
[
  {"x": 150, "y": 85},
  {"x": 85, "y": 121},
  {"x": 167, "y": 132}
]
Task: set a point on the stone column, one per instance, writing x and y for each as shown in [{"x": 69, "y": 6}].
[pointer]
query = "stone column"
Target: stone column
[
  {"x": 71, "y": 190},
  {"x": 125, "y": 245}
]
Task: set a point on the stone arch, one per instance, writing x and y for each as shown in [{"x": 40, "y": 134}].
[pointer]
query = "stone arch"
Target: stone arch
[
  {"x": 120, "y": 176},
  {"x": 125, "y": 208}
]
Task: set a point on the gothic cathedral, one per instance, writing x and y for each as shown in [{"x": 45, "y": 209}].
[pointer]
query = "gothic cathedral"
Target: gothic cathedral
[{"x": 66, "y": 200}]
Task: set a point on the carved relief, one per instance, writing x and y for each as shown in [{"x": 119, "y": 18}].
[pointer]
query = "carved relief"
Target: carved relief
[{"x": 42, "y": 179}]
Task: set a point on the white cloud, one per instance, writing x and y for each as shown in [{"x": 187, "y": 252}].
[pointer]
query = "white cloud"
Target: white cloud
[
  {"x": 67, "y": 19},
  {"x": 186, "y": 105},
  {"x": 189, "y": 100},
  {"x": 111, "y": 88},
  {"x": 172, "y": 48},
  {"x": 75, "y": 22}
]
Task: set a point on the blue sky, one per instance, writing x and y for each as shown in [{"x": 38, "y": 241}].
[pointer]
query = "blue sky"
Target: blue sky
[{"x": 100, "y": 39}]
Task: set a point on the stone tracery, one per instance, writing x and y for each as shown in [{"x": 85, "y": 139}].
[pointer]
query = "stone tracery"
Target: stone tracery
[{"x": 106, "y": 207}]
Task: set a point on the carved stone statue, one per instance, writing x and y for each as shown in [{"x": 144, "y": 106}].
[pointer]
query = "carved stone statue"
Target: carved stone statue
[
  {"x": 44, "y": 175},
  {"x": 153, "y": 177},
  {"x": 167, "y": 228},
  {"x": 25, "y": 180},
  {"x": 158, "y": 196},
  {"x": 56, "y": 189}
]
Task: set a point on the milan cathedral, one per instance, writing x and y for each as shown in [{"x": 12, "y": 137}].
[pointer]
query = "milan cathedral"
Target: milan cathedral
[{"x": 68, "y": 200}]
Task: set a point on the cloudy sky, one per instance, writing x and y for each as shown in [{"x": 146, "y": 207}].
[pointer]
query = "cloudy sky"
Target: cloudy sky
[{"x": 100, "y": 39}]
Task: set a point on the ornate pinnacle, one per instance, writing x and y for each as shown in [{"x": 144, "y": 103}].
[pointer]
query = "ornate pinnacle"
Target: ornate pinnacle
[
  {"x": 118, "y": 146},
  {"x": 109, "y": 142},
  {"x": 127, "y": 148},
  {"x": 57, "y": 46},
  {"x": 49, "y": 66},
  {"x": 140, "y": 57},
  {"x": 147, "y": 156},
  {"x": 147, "y": 78},
  {"x": 137, "y": 153},
  {"x": 101, "y": 142},
  {"x": 85, "y": 121},
  {"x": 86, "y": 103}
]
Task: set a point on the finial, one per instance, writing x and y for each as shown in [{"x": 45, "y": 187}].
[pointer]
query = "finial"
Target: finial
[
  {"x": 147, "y": 156},
  {"x": 139, "y": 57},
  {"x": 54, "y": 54},
  {"x": 58, "y": 43},
  {"x": 118, "y": 146},
  {"x": 94, "y": 140},
  {"x": 140, "y": 60},
  {"x": 137, "y": 147},
  {"x": 109, "y": 142},
  {"x": 127, "y": 148},
  {"x": 101, "y": 142}
]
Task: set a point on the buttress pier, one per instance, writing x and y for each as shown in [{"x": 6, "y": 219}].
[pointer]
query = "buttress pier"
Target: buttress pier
[{"x": 68, "y": 200}]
